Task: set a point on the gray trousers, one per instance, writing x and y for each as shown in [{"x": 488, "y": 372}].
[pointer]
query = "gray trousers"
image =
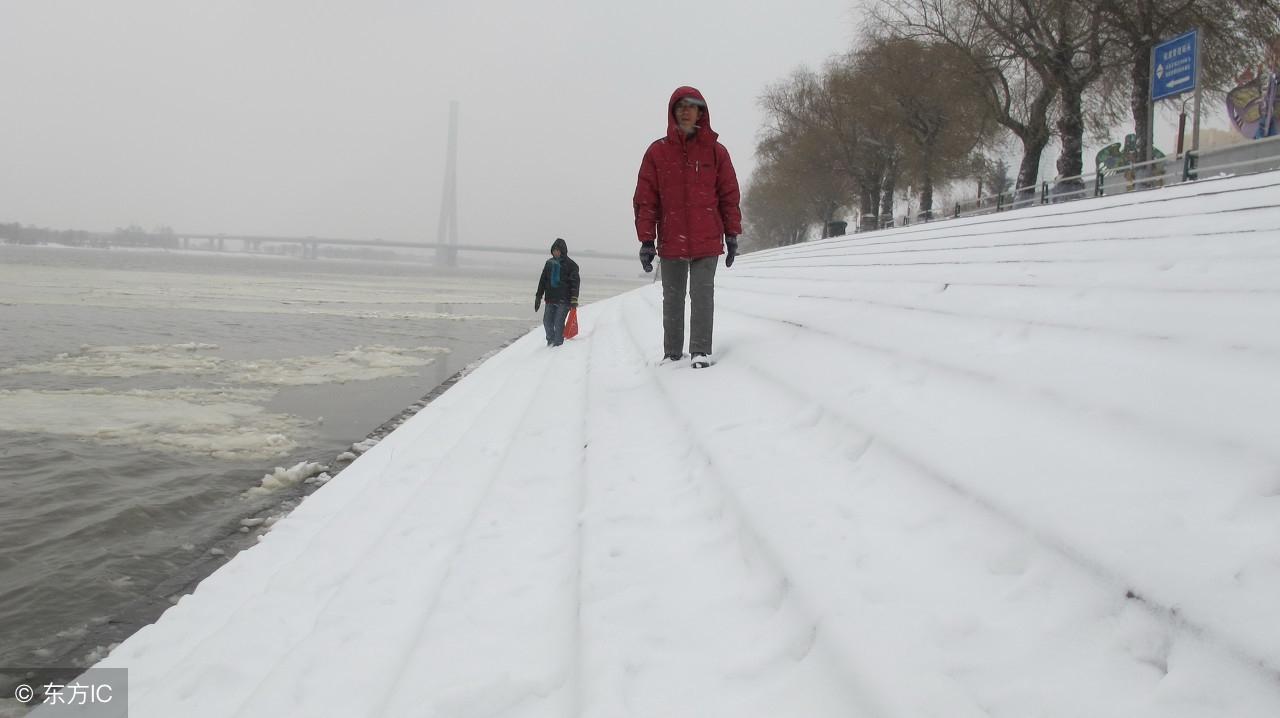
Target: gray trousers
[{"x": 698, "y": 278}]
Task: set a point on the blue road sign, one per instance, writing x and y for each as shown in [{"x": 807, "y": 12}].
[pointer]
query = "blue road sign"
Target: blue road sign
[{"x": 1174, "y": 66}]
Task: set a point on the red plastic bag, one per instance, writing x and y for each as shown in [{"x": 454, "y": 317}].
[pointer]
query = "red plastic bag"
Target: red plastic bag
[{"x": 571, "y": 324}]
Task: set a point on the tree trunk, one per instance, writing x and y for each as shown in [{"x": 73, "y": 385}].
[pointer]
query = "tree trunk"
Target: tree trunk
[
  {"x": 1071, "y": 130},
  {"x": 828, "y": 216},
  {"x": 926, "y": 196},
  {"x": 1035, "y": 136},
  {"x": 868, "y": 219},
  {"x": 1140, "y": 92},
  {"x": 888, "y": 188},
  {"x": 1141, "y": 46},
  {"x": 1029, "y": 170}
]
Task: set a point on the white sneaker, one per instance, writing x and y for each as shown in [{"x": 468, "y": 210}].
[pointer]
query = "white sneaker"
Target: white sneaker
[{"x": 700, "y": 361}]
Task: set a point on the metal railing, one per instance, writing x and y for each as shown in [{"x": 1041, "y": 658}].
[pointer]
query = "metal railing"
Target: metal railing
[{"x": 1136, "y": 177}]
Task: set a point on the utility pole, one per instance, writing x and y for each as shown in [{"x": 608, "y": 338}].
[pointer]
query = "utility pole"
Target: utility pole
[{"x": 447, "y": 230}]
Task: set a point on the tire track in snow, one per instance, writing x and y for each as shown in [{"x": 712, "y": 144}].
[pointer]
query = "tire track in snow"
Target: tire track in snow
[
  {"x": 1032, "y": 261},
  {"x": 1168, "y": 611},
  {"x": 934, "y": 228},
  {"x": 941, "y": 283},
  {"x": 433, "y": 526},
  {"x": 731, "y": 580},
  {"x": 961, "y": 501},
  {"x": 588, "y": 327},
  {"x": 1147, "y": 423},
  {"x": 507, "y": 644},
  {"x": 335, "y": 536},
  {"x": 1127, "y": 334},
  {"x": 791, "y": 261}
]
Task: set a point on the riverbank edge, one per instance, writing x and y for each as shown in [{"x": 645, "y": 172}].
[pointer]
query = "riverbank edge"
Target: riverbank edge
[{"x": 101, "y": 639}]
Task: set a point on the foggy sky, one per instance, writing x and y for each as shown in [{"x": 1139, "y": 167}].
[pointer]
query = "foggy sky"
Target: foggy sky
[{"x": 297, "y": 117}]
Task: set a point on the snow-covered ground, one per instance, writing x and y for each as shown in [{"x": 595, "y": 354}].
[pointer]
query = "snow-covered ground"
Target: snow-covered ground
[{"x": 1018, "y": 465}]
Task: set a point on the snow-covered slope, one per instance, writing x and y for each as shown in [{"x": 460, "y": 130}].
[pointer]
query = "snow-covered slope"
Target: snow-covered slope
[{"x": 1016, "y": 465}]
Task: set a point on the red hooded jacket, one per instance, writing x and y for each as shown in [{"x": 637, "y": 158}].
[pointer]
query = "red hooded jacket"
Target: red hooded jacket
[{"x": 687, "y": 192}]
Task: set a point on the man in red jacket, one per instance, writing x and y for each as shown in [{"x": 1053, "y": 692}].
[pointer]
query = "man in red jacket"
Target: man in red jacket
[{"x": 687, "y": 201}]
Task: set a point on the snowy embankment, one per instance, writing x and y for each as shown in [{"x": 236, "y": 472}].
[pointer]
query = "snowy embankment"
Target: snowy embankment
[{"x": 1023, "y": 464}]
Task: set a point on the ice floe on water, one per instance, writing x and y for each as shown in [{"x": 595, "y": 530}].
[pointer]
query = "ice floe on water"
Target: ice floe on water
[
  {"x": 126, "y": 361},
  {"x": 358, "y": 364},
  {"x": 224, "y": 424},
  {"x": 361, "y": 363},
  {"x": 220, "y": 422},
  {"x": 282, "y": 478},
  {"x": 422, "y": 316}
]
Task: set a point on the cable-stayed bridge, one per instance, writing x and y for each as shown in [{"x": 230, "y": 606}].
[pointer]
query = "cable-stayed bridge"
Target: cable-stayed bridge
[{"x": 448, "y": 251}]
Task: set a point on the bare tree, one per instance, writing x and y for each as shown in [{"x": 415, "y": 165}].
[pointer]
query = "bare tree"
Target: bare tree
[
  {"x": 857, "y": 110},
  {"x": 832, "y": 109},
  {"x": 997, "y": 177},
  {"x": 943, "y": 121},
  {"x": 1018, "y": 93},
  {"x": 1068, "y": 44},
  {"x": 991, "y": 175},
  {"x": 801, "y": 165},
  {"x": 775, "y": 215},
  {"x": 1230, "y": 32}
]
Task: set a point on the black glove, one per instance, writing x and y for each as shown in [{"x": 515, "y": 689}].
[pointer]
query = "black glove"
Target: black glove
[
  {"x": 537, "y": 304},
  {"x": 731, "y": 242},
  {"x": 647, "y": 253}
]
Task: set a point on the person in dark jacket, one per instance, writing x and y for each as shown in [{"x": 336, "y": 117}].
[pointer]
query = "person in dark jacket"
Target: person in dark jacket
[
  {"x": 686, "y": 201},
  {"x": 559, "y": 285}
]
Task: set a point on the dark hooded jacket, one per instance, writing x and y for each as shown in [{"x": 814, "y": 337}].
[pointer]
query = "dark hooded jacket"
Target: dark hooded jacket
[
  {"x": 687, "y": 192},
  {"x": 559, "y": 281}
]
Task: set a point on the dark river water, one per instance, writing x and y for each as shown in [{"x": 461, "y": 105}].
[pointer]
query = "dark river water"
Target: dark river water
[{"x": 144, "y": 396}]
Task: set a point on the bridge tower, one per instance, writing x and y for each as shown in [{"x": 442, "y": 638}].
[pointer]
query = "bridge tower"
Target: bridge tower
[{"x": 447, "y": 230}]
